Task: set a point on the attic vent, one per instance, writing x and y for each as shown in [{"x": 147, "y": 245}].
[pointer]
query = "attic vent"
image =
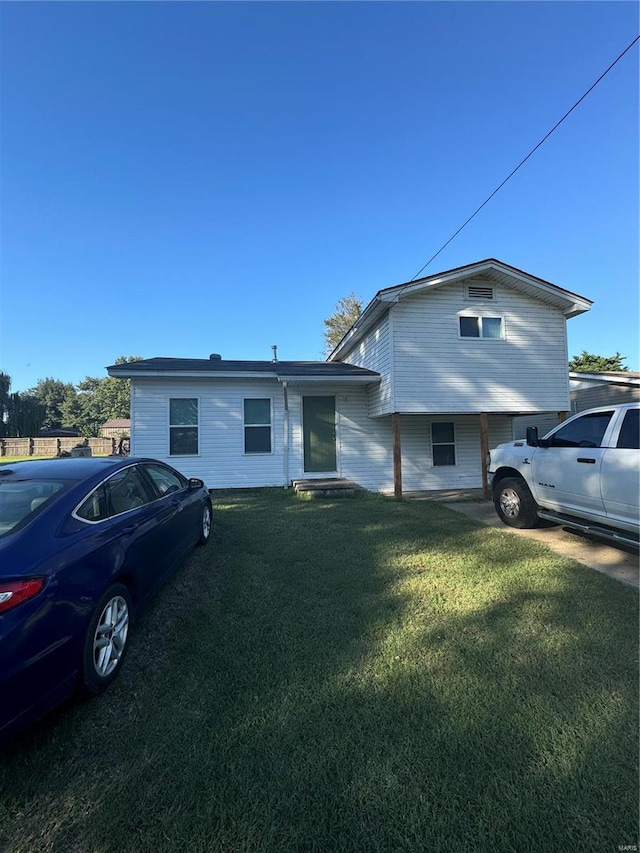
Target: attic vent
[{"x": 476, "y": 291}]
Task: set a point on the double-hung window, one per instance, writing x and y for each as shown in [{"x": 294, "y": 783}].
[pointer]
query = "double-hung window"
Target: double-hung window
[
  {"x": 183, "y": 426},
  {"x": 257, "y": 425},
  {"x": 443, "y": 445},
  {"x": 481, "y": 327}
]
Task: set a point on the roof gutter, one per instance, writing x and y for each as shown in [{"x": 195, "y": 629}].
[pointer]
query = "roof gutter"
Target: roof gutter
[
  {"x": 350, "y": 380},
  {"x": 194, "y": 374}
]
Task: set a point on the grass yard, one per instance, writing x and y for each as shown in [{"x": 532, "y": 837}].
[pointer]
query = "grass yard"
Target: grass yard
[
  {"x": 353, "y": 675},
  {"x": 7, "y": 460}
]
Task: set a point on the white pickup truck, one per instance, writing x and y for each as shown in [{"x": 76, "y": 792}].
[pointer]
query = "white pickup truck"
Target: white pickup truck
[{"x": 584, "y": 473}]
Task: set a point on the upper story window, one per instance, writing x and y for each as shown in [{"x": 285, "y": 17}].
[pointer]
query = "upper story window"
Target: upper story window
[
  {"x": 257, "y": 425},
  {"x": 481, "y": 327},
  {"x": 183, "y": 426}
]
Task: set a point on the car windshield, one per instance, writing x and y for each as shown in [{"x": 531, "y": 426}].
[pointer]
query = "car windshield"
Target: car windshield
[{"x": 20, "y": 500}]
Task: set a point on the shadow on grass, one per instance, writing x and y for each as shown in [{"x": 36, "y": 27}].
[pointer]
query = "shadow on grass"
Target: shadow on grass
[{"x": 351, "y": 675}]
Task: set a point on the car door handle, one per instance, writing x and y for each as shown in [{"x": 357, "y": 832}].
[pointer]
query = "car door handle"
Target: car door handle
[
  {"x": 129, "y": 529},
  {"x": 587, "y": 460}
]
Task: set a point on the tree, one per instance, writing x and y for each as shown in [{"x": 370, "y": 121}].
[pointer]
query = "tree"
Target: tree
[
  {"x": 587, "y": 362},
  {"x": 5, "y": 385},
  {"x": 25, "y": 415},
  {"x": 20, "y": 414},
  {"x": 53, "y": 395},
  {"x": 99, "y": 400},
  {"x": 347, "y": 311}
]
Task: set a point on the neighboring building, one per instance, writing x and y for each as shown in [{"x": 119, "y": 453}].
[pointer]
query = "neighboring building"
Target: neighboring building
[
  {"x": 430, "y": 376},
  {"x": 63, "y": 432},
  {"x": 116, "y": 428},
  {"x": 587, "y": 391}
]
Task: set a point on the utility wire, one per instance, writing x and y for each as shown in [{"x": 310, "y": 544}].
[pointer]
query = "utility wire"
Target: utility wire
[{"x": 533, "y": 150}]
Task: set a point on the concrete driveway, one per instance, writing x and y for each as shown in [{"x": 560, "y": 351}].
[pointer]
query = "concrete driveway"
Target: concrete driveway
[{"x": 617, "y": 561}]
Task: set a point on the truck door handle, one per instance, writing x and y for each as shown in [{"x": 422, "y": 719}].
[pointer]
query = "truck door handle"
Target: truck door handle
[{"x": 587, "y": 460}]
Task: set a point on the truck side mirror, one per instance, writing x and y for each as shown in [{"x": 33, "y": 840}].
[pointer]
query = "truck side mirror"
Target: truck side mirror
[{"x": 532, "y": 437}]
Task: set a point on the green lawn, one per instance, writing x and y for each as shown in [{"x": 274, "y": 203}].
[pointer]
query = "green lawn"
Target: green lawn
[
  {"x": 7, "y": 460},
  {"x": 350, "y": 675}
]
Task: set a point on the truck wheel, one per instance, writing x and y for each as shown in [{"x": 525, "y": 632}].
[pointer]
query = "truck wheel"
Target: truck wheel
[{"x": 514, "y": 503}]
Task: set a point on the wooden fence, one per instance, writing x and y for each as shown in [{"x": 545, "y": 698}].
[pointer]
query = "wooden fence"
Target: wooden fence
[{"x": 54, "y": 446}]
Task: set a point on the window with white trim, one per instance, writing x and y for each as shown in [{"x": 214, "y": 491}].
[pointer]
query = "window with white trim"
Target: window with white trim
[
  {"x": 443, "y": 443},
  {"x": 183, "y": 426},
  {"x": 481, "y": 327},
  {"x": 257, "y": 424}
]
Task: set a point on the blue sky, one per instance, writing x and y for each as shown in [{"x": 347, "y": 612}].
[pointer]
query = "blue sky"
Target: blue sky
[{"x": 187, "y": 178}]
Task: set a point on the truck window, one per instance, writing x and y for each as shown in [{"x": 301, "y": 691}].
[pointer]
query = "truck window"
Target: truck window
[
  {"x": 630, "y": 432},
  {"x": 587, "y": 431}
]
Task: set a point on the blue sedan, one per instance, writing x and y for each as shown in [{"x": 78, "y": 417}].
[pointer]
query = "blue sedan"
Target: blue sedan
[{"x": 84, "y": 544}]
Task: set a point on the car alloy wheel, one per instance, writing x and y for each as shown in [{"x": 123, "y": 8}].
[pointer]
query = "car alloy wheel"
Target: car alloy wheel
[
  {"x": 106, "y": 640},
  {"x": 205, "y": 525},
  {"x": 110, "y": 636}
]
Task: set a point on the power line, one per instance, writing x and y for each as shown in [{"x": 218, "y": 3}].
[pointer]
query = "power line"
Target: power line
[{"x": 533, "y": 150}]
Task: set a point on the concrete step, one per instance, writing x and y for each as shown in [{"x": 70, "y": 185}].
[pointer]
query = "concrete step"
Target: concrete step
[{"x": 327, "y": 487}]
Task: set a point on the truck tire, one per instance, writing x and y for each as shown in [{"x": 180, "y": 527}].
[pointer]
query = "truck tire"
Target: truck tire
[{"x": 514, "y": 503}]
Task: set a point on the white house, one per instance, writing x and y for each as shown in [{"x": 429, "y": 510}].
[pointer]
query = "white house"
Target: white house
[{"x": 431, "y": 374}]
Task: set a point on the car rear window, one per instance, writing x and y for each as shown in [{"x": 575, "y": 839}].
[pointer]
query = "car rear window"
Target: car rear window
[{"x": 20, "y": 500}]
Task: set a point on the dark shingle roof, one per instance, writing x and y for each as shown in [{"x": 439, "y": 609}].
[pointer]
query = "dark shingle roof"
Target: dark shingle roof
[{"x": 316, "y": 369}]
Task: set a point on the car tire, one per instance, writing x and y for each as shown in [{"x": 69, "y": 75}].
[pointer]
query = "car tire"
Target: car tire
[
  {"x": 105, "y": 643},
  {"x": 206, "y": 519},
  {"x": 514, "y": 503}
]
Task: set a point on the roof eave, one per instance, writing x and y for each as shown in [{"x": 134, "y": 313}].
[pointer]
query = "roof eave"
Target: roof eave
[
  {"x": 332, "y": 378},
  {"x": 193, "y": 374},
  {"x": 574, "y": 304}
]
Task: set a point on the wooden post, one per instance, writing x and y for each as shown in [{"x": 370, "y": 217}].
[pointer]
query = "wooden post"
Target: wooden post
[
  {"x": 484, "y": 450},
  {"x": 562, "y": 416},
  {"x": 397, "y": 456}
]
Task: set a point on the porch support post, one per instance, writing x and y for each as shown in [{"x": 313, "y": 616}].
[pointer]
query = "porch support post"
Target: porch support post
[
  {"x": 562, "y": 416},
  {"x": 484, "y": 450},
  {"x": 397, "y": 456}
]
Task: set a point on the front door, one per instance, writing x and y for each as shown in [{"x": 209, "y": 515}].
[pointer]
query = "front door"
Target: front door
[{"x": 319, "y": 433}]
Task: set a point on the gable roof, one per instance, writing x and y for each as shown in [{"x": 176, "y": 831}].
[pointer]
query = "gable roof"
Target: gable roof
[
  {"x": 219, "y": 368},
  {"x": 490, "y": 269},
  {"x": 117, "y": 423},
  {"x": 605, "y": 377}
]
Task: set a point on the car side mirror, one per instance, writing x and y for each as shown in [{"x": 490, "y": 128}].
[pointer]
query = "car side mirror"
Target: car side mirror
[
  {"x": 196, "y": 483},
  {"x": 532, "y": 437}
]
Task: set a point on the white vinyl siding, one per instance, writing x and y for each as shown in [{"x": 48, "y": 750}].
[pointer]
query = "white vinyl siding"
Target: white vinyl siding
[
  {"x": 374, "y": 352},
  {"x": 222, "y": 462},
  {"x": 364, "y": 445},
  {"x": 418, "y": 471},
  {"x": 436, "y": 370}
]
